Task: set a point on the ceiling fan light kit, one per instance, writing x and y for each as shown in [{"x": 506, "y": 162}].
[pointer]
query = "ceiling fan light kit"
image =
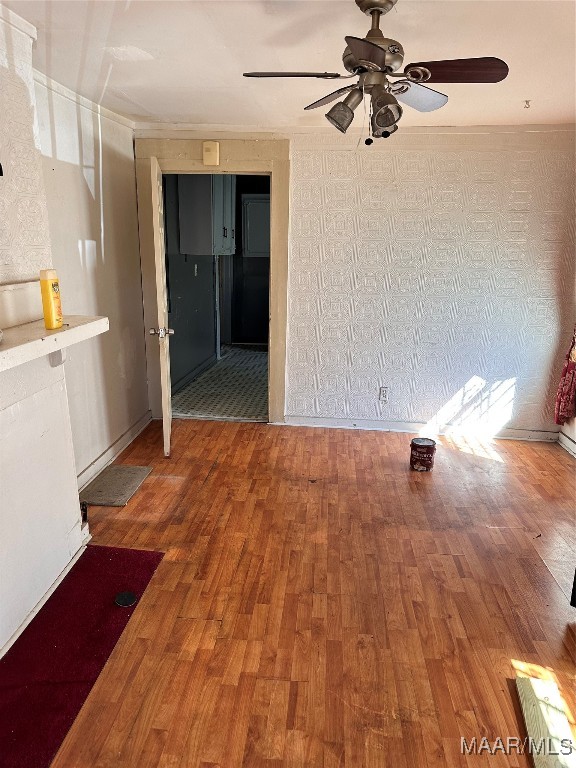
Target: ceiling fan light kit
[
  {"x": 385, "y": 111},
  {"x": 375, "y": 61},
  {"x": 342, "y": 113}
]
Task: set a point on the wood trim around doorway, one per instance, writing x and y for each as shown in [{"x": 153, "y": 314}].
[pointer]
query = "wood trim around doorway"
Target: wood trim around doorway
[{"x": 237, "y": 156}]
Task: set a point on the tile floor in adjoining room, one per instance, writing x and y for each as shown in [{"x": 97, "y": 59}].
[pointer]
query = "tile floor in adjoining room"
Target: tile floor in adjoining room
[{"x": 234, "y": 389}]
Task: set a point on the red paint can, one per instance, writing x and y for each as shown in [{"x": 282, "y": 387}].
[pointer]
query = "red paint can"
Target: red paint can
[{"x": 422, "y": 451}]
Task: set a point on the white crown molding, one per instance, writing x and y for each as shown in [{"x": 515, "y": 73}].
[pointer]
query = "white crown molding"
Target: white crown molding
[
  {"x": 52, "y": 85},
  {"x": 188, "y": 131},
  {"x": 517, "y": 137},
  {"x": 17, "y": 22},
  {"x": 156, "y": 130}
]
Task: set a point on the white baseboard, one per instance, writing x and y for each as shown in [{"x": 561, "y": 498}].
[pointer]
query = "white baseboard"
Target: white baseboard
[
  {"x": 335, "y": 423},
  {"x": 411, "y": 427},
  {"x": 567, "y": 443},
  {"x": 110, "y": 453},
  {"x": 10, "y": 642}
]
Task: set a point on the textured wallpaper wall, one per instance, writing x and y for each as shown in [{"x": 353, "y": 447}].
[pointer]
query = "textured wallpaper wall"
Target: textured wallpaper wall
[
  {"x": 438, "y": 265},
  {"x": 24, "y": 236}
]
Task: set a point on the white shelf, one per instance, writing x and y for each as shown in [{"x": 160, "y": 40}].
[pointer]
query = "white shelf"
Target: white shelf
[{"x": 24, "y": 343}]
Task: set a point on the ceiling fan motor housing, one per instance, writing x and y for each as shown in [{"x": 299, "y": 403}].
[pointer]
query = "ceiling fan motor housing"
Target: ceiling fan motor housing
[
  {"x": 393, "y": 49},
  {"x": 369, "y": 6}
]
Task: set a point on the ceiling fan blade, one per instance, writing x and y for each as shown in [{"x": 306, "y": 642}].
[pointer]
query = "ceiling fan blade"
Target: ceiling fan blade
[
  {"x": 367, "y": 54},
  {"x": 481, "y": 70},
  {"x": 422, "y": 98},
  {"x": 331, "y": 97},
  {"x": 320, "y": 75}
]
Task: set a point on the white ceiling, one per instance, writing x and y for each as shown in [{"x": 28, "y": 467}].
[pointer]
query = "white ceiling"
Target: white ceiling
[{"x": 181, "y": 61}]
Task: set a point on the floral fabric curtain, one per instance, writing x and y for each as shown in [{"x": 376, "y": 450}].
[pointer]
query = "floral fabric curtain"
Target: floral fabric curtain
[{"x": 566, "y": 397}]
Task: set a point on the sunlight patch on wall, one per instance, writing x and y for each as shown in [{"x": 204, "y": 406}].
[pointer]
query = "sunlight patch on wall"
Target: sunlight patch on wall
[
  {"x": 87, "y": 147},
  {"x": 66, "y": 142},
  {"x": 67, "y": 133},
  {"x": 88, "y": 253},
  {"x": 3, "y": 47},
  {"x": 478, "y": 410}
]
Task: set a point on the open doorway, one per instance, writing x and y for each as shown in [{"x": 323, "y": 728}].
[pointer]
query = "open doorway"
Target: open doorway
[
  {"x": 239, "y": 155},
  {"x": 217, "y": 238}
]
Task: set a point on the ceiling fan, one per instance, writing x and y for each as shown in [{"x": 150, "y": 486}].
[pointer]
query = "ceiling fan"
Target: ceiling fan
[{"x": 374, "y": 60}]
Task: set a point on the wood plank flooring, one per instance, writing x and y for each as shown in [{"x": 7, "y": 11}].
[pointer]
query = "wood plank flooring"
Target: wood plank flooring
[{"x": 320, "y": 605}]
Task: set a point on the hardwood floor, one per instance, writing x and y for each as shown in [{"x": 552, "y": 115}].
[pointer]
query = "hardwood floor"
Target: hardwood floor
[{"x": 320, "y": 604}]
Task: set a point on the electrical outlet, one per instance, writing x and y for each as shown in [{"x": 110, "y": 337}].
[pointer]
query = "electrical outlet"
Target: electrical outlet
[{"x": 383, "y": 394}]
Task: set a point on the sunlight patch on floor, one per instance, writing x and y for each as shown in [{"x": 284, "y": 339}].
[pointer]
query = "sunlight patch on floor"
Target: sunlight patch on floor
[{"x": 526, "y": 669}]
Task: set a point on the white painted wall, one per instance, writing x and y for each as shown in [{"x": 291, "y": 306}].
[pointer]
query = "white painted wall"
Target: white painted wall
[
  {"x": 24, "y": 238},
  {"x": 70, "y": 202},
  {"x": 438, "y": 263},
  {"x": 88, "y": 164},
  {"x": 40, "y": 525}
]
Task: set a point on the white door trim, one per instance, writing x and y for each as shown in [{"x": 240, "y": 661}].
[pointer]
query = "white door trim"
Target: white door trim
[{"x": 237, "y": 156}]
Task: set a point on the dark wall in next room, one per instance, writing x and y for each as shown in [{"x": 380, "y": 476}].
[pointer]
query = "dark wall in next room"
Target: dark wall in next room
[
  {"x": 250, "y": 310},
  {"x": 190, "y": 284}
]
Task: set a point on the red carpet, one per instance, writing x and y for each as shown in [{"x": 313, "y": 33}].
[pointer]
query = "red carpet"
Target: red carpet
[{"x": 48, "y": 673}]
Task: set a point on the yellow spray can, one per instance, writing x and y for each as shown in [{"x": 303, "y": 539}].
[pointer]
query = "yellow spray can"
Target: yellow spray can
[{"x": 51, "y": 305}]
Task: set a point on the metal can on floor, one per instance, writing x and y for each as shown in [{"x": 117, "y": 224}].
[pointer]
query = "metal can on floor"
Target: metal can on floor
[{"x": 422, "y": 451}]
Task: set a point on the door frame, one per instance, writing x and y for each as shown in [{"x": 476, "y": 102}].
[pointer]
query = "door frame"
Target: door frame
[{"x": 244, "y": 157}]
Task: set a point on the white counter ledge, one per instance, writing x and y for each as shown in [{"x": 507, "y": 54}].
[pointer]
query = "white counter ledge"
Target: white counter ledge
[{"x": 23, "y": 343}]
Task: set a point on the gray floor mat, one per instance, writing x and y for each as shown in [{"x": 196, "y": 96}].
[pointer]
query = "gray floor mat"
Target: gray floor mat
[{"x": 114, "y": 486}]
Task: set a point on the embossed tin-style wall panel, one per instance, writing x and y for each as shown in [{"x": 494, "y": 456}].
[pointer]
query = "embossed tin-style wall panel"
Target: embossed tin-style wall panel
[
  {"x": 444, "y": 272},
  {"x": 24, "y": 235}
]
